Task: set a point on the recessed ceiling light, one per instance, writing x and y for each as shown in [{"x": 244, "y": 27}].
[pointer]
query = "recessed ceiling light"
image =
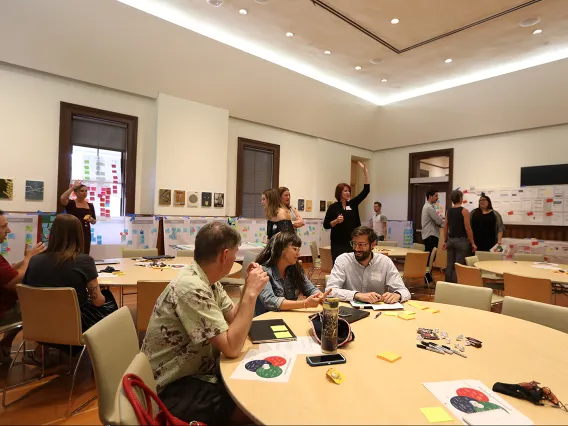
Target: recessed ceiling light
[
  {"x": 537, "y": 32},
  {"x": 358, "y": 68},
  {"x": 289, "y": 34},
  {"x": 394, "y": 21},
  {"x": 327, "y": 52},
  {"x": 261, "y": 1},
  {"x": 215, "y": 3},
  {"x": 384, "y": 80},
  {"x": 376, "y": 61},
  {"x": 243, "y": 11},
  {"x": 447, "y": 61},
  {"x": 529, "y": 22}
]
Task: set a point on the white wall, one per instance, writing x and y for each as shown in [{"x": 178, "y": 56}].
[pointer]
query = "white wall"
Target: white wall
[
  {"x": 309, "y": 167},
  {"x": 29, "y": 133},
  {"x": 191, "y": 152},
  {"x": 484, "y": 162}
]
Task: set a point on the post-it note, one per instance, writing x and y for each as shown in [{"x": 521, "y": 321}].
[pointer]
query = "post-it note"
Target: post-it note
[
  {"x": 417, "y": 305},
  {"x": 389, "y": 356},
  {"x": 282, "y": 334},
  {"x": 436, "y": 414},
  {"x": 406, "y": 317},
  {"x": 432, "y": 310},
  {"x": 391, "y": 314},
  {"x": 279, "y": 328},
  {"x": 407, "y": 313}
]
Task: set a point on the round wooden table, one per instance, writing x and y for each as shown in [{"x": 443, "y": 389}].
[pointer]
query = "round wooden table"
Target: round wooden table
[
  {"x": 378, "y": 392},
  {"x": 395, "y": 251},
  {"x": 526, "y": 269}
]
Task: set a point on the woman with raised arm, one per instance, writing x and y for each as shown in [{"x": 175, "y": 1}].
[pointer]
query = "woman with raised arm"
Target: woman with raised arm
[
  {"x": 342, "y": 217},
  {"x": 81, "y": 209}
]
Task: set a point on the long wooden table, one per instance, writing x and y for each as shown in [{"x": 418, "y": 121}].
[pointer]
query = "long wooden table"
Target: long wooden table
[
  {"x": 526, "y": 269},
  {"x": 377, "y": 392}
]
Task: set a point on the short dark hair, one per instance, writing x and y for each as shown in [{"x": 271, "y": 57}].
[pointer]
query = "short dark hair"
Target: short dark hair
[
  {"x": 212, "y": 239},
  {"x": 378, "y": 203},
  {"x": 431, "y": 193},
  {"x": 456, "y": 196},
  {"x": 365, "y": 230},
  {"x": 1, "y": 212},
  {"x": 339, "y": 189}
]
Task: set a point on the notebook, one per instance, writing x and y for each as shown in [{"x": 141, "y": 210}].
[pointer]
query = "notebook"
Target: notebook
[
  {"x": 107, "y": 262},
  {"x": 270, "y": 331},
  {"x": 351, "y": 315}
]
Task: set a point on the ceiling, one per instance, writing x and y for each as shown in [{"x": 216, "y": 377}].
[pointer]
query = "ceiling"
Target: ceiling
[{"x": 483, "y": 38}]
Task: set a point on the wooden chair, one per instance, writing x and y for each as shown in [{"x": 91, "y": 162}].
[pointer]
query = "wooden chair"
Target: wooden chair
[
  {"x": 148, "y": 293},
  {"x": 418, "y": 246},
  {"x": 540, "y": 313},
  {"x": 184, "y": 253},
  {"x": 326, "y": 260},
  {"x": 130, "y": 253},
  {"x": 535, "y": 289},
  {"x": 414, "y": 267},
  {"x": 494, "y": 281},
  {"x": 387, "y": 243},
  {"x": 50, "y": 315},
  {"x": 316, "y": 262},
  {"x": 468, "y": 275},
  {"x": 471, "y": 260},
  {"x": 463, "y": 295},
  {"x": 484, "y": 256},
  {"x": 526, "y": 257},
  {"x": 112, "y": 345}
]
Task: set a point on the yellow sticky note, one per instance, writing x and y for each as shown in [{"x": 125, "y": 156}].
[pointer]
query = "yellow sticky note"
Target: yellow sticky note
[
  {"x": 406, "y": 317},
  {"x": 279, "y": 328},
  {"x": 282, "y": 334},
  {"x": 417, "y": 305},
  {"x": 407, "y": 313},
  {"x": 432, "y": 310},
  {"x": 389, "y": 356},
  {"x": 436, "y": 414},
  {"x": 391, "y": 314}
]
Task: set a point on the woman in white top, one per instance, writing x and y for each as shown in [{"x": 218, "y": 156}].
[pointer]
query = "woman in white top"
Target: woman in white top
[{"x": 297, "y": 220}]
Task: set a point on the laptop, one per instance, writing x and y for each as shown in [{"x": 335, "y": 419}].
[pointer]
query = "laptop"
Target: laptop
[{"x": 351, "y": 315}]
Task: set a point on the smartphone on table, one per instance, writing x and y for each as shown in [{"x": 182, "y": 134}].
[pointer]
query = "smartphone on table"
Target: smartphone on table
[{"x": 319, "y": 360}]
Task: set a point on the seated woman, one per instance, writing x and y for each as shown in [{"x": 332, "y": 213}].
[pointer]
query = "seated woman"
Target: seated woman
[
  {"x": 279, "y": 219},
  {"x": 64, "y": 264},
  {"x": 287, "y": 277}
]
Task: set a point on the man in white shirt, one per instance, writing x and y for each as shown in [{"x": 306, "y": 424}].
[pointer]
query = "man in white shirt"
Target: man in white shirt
[
  {"x": 366, "y": 276},
  {"x": 431, "y": 221},
  {"x": 379, "y": 222}
]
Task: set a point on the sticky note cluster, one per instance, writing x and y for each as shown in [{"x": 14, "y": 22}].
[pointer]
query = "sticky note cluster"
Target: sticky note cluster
[
  {"x": 432, "y": 310},
  {"x": 436, "y": 414},
  {"x": 389, "y": 356},
  {"x": 406, "y": 317},
  {"x": 417, "y": 305},
  {"x": 281, "y": 331}
]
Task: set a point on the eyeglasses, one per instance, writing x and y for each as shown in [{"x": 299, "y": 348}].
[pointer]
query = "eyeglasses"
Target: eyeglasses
[
  {"x": 297, "y": 249},
  {"x": 358, "y": 245}
]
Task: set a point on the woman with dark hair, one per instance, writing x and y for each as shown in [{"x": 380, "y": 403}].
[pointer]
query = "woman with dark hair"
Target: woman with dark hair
[
  {"x": 287, "y": 279},
  {"x": 64, "y": 264},
  {"x": 458, "y": 235},
  {"x": 486, "y": 224},
  {"x": 81, "y": 209},
  {"x": 342, "y": 217},
  {"x": 295, "y": 217},
  {"x": 278, "y": 216}
]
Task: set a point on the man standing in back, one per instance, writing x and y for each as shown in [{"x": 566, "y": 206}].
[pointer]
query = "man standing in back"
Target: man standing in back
[
  {"x": 379, "y": 222},
  {"x": 431, "y": 222}
]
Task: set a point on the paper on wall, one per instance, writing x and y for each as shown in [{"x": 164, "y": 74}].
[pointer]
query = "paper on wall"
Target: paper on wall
[
  {"x": 545, "y": 192},
  {"x": 536, "y": 218},
  {"x": 516, "y": 206},
  {"x": 558, "y": 192},
  {"x": 538, "y": 205},
  {"x": 526, "y": 205},
  {"x": 557, "y": 220},
  {"x": 529, "y": 192},
  {"x": 514, "y": 218},
  {"x": 505, "y": 206},
  {"x": 558, "y": 205}
]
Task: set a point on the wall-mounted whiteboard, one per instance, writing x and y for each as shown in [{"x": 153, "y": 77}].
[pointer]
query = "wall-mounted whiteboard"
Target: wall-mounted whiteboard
[
  {"x": 176, "y": 232},
  {"x": 24, "y": 234},
  {"x": 544, "y": 205},
  {"x": 140, "y": 232},
  {"x": 400, "y": 231}
]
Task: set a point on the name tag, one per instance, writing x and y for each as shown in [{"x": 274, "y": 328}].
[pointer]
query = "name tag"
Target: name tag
[{"x": 348, "y": 208}]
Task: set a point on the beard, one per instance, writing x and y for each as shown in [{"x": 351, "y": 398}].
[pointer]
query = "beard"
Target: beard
[{"x": 362, "y": 255}]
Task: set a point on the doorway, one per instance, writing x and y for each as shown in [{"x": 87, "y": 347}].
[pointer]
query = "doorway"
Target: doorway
[{"x": 429, "y": 170}]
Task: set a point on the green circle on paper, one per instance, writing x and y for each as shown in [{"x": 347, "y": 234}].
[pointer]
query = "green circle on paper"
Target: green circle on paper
[{"x": 269, "y": 373}]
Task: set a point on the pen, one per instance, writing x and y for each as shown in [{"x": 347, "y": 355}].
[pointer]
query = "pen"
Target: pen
[
  {"x": 437, "y": 348},
  {"x": 459, "y": 353},
  {"x": 428, "y": 348},
  {"x": 378, "y": 315}
]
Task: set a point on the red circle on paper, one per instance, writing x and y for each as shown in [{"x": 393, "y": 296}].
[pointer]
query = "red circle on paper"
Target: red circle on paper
[
  {"x": 278, "y": 361},
  {"x": 472, "y": 393}
]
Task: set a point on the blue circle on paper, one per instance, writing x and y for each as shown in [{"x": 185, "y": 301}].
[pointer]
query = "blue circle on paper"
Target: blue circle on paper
[
  {"x": 256, "y": 364},
  {"x": 463, "y": 403}
]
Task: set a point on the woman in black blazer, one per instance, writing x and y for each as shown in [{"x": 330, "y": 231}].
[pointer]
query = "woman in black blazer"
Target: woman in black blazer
[{"x": 342, "y": 217}]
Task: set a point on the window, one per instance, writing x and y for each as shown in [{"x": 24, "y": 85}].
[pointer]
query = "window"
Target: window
[
  {"x": 258, "y": 166},
  {"x": 99, "y": 148}
]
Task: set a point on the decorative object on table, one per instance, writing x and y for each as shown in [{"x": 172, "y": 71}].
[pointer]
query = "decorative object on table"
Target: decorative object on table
[
  {"x": 193, "y": 199},
  {"x": 335, "y": 375},
  {"x": 530, "y": 391},
  {"x": 344, "y": 332},
  {"x": 427, "y": 334},
  {"x": 165, "y": 197},
  {"x": 460, "y": 337},
  {"x": 300, "y": 204},
  {"x": 219, "y": 199},
  {"x": 329, "y": 328},
  {"x": 34, "y": 190},
  {"x": 322, "y": 206},
  {"x": 205, "y": 199},
  {"x": 6, "y": 189},
  {"x": 308, "y": 205},
  {"x": 179, "y": 198}
]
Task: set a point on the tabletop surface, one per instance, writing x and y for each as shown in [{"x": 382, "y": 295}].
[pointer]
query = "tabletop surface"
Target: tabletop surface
[
  {"x": 133, "y": 273},
  {"x": 378, "y": 392},
  {"x": 395, "y": 251},
  {"x": 527, "y": 269}
]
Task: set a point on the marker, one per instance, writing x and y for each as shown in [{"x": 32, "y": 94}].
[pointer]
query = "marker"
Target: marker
[
  {"x": 428, "y": 348},
  {"x": 378, "y": 315},
  {"x": 459, "y": 353}
]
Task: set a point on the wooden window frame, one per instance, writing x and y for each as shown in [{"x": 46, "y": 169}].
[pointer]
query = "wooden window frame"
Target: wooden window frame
[
  {"x": 246, "y": 143},
  {"x": 67, "y": 111}
]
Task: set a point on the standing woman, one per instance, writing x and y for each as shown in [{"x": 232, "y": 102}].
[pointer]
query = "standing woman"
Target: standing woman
[
  {"x": 486, "y": 224},
  {"x": 342, "y": 217},
  {"x": 458, "y": 235},
  {"x": 278, "y": 216},
  {"x": 295, "y": 217},
  {"x": 82, "y": 210}
]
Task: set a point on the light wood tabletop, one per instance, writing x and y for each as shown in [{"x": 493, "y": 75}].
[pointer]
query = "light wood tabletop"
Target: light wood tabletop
[
  {"x": 133, "y": 274},
  {"x": 378, "y": 392},
  {"x": 526, "y": 269}
]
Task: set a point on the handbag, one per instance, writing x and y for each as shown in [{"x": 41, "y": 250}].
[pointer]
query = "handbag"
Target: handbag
[{"x": 144, "y": 414}]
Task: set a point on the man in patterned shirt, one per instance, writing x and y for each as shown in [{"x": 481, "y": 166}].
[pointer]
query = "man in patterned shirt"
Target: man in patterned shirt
[{"x": 193, "y": 321}]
